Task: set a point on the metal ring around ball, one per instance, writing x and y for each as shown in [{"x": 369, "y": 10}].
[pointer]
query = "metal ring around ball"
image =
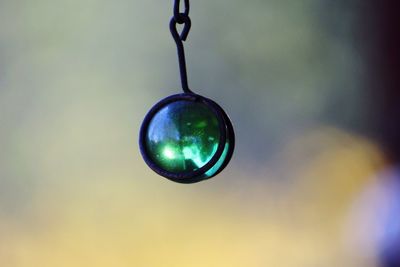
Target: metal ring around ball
[{"x": 226, "y": 133}]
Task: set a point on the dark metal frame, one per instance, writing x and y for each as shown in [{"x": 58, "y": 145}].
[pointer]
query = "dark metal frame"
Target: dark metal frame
[
  {"x": 226, "y": 134},
  {"x": 225, "y": 125}
]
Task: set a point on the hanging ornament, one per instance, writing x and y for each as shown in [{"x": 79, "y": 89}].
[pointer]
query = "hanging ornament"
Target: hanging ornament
[{"x": 186, "y": 137}]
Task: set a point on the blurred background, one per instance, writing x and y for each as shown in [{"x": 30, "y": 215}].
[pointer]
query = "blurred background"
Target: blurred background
[{"x": 310, "y": 86}]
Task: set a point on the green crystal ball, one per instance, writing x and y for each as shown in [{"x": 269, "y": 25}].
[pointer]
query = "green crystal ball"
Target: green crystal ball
[{"x": 183, "y": 136}]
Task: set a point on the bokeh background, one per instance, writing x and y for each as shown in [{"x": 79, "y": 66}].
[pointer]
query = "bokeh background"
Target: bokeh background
[{"x": 307, "y": 183}]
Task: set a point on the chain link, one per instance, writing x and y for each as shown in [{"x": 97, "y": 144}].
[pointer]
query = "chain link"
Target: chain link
[
  {"x": 178, "y": 15},
  {"x": 181, "y": 18}
]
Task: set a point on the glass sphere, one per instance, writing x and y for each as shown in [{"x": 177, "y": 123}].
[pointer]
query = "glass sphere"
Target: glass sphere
[
  {"x": 187, "y": 138},
  {"x": 183, "y": 137}
]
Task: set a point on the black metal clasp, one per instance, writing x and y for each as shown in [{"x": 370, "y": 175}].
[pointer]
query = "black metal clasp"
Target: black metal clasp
[{"x": 179, "y": 38}]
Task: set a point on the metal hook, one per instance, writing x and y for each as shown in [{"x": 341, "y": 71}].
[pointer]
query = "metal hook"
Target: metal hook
[
  {"x": 179, "y": 38},
  {"x": 187, "y": 24}
]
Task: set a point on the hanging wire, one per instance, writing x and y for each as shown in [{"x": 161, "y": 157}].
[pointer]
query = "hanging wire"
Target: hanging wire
[{"x": 183, "y": 19}]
